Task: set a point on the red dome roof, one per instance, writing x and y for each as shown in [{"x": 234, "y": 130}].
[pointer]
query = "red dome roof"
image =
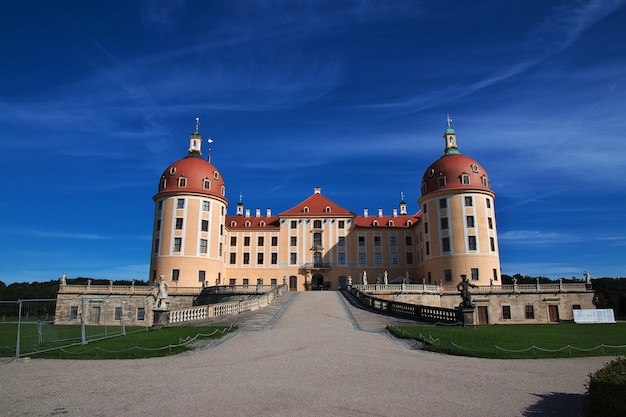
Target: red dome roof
[
  {"x": 455, "y": 171},
  {"x": 192, "y": 174}
]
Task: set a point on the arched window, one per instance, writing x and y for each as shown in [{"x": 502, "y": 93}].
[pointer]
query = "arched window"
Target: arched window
[
  {"x": 216, "y": 175},
  {"x": 390, "y": 223},
  {"x": 247, "y": 224},
  {"x": 327, "y": 209},
  {"x": 223, "y": 190},
  {"x": 409, "y": 222},
  {"x": 233, "y": 224},
  {"x": 465, "y": 179},
  {"x": 375, "y": 223},
  {"x": 163, "y": 183},
  {"x": 305, "y": 209},
  {"x": 182, "y": 182},
  {"x": 262, "y": 223},
  {"x": 206, "y": 184}
]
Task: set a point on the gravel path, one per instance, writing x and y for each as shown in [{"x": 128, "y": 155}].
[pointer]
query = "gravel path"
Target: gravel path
[{"x": 311, "y": 362}]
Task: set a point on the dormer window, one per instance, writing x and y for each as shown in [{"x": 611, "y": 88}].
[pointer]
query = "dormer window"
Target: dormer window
[
  {"x": 375, "y": 223},
  {"x": 182, "y": 182},
  {"x": 409, "y": 222},
  {"x": 172, "y": 170},
  {"x": 262, "y": 223},
  {"x": 390, "y": 223},
  {"x": 327, "y": 209},
  {"x": 424, "y": 188},
  {"x": 474, "y": 168},
  {"x": 206, "y": 184},
  {"x": 163, "y": 183},
  {"x": 465, "y": 179},
  {"x": 216, "y": 175},
  {"x": 441, "y": 181},
  {"x": 233, "y": 224},
  {"x": 247, "y": 224},
  {"x": 484, "y": 181},
  {"x": 305, "y": 209},
  {"x": 223, "y": 190}
]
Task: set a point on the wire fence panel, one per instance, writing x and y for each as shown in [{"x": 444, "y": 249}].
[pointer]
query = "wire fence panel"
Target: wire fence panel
[{"x": 34, "y": 326}]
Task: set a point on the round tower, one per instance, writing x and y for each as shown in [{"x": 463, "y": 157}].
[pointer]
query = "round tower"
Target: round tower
[
  {"x": 189, "y": 217},
  {"x": 458, "y": 222}
]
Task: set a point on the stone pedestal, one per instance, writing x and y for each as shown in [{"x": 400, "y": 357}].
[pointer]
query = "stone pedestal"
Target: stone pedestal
[
  {"x": 160, "y": 317},
  {"x": 467, "y": 316}
]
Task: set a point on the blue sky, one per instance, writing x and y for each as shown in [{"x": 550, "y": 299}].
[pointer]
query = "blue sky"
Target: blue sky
[{"x": 98, "y": 98}]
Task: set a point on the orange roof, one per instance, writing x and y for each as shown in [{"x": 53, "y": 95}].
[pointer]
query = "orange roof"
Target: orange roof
[
  {"x": 250, "y": 222},
  {"x": 317, "y": 205},
  {"x": 401, "y": 221}
]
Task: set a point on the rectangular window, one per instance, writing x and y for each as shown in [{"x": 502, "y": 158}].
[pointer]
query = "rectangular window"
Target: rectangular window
[
  {"x": 465, "y": 179},
  {"x": 445, "y": 244},
  {"x": 490, "y": 221},
  {"x": 233, "y": 241},
  {"x": 201, "y": 276},
  {"x": 73, "y": 312},
  {"x": 495, "y": 274},
  {"x": 232, "y": 282},
  {"x": 245, "y": 282},
  {"x": 377, "y": 258},
  {"x": 492, "y": 243},
  {"x": 469, "y": 202},
  {"x": 393, "y": 258},
  {"x": 274, "y": 240},
  {"x": 409, "y": 258},
  {"x": 441, "y": 181},
  {"x": 408, "y": 240},
  {"x": 246, "y": 241},
  {"x": 317, "y": 239},
  {"x": 342, "y": 258},
  {"x": 488, "y": 203},
  {"x": 443, "y": 203},
  {"x": 425, "y": 227},
  {"x": 341, "y": 241},
  {"x": 156, "y": 246},
  {"x": 260, "y": 241},
  {"x": 118, "y": 313},
  {"x": 376, "y": 240},
  {"x": 205, "y": 206},
  {"x": 179, "y": 223},
  {"x": 259, "y": 281},
  {"x": 474, "y": 274},
  {"x": 427, "y": 248},
  {"x": 273, "y": 282},
  {"x": 447, "y": 275},
  {"x": 470, "y": 221},
  {"x": 393, "y": 241},
  {"x": 177, "y": 244},
  {"x": 203, "y": 245},
  {"x": 293, "y": 258},
  {"x": 293, "y": 241},
  {"x": 246, "y": 258},
  {"x": 205, "y": 226},
  {"x": 444, "y": 223},
  {"x": 341, "y": 224},
  {"x": 294, "y": 224},
  {"x": 259, "y": 258},
  {"x": 158, "y": 225},
  {"x": 141, "y": 313},
  {"x": 361, "y": 240},
  {"x": 362, "y": 258},
  {"x": 471, "y": 241},
  {"x": 506, "y": 312},
  {"x": 425, "y": 208},
  {"x": 274, "y": 258},
  {"x": 233, "y": 258},
  {"x": 180, "y": 203},
  {"x": 175, "y": 274},
  {"x": 529, "y": 312}
]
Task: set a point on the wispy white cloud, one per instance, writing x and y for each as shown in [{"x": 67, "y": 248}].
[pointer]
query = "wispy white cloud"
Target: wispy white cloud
[{"x": 536, "y": 237}]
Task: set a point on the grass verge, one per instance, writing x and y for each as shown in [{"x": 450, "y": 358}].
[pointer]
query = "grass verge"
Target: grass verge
[{"x": 521, "y": 341}]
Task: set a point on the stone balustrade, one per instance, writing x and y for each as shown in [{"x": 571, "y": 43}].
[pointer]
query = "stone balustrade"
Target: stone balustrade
[{"x": 480, "y": 289}]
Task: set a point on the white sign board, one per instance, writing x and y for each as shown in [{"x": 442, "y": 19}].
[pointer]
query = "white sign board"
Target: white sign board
[{"x": 603, "y": 315}]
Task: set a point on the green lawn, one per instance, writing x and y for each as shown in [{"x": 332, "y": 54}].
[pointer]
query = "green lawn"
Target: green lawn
[
  {"x": 137, "y": 343},
  {"x": 521, "y": 340}
]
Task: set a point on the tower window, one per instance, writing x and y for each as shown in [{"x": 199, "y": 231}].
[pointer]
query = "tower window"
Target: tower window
[
  {"x": 469, "y": 201},
  {"x": 474, "y": 274},
  {"x": 470, "y": 221},
  {"x": 443, "y": 203},
  {"x": 216, "y": 175},
  {"x": 205, "y": 225},
  {"x": 172, "y": 170},
  {"x": 175, "y": 274},
  {"x": 484, "y": 181},
  {"x": 474, "y": 168},
  {"x": 223, "y": 190},
  {"x": 471, "y": 241},
  {"x": 488, "y": 203},
  {"x": 203, "y": 245},
  {"x": 447, "y": 275},
  {"x": 182, "y": 182},
  {"x": 180, "y": 203},
  {"x": 444, "y": 223},
  {"x": 465, "y": 179},
  {"x": 490, "y": 222},
  {"x": 177, "y": 244},
  {"x": 205, "y": 206},
  {"x": 179, "y": 223},
  {"x": 445, "y": 244},
  {"x": 206, "y": 184},
  {"x": 441, "y": 181},
  {"x": 424, "y": 188},
  {"x": 201, "y": 276}
]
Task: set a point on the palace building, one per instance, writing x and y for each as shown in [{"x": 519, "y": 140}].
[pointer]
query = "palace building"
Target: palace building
[{"x": 318, "y": 244}]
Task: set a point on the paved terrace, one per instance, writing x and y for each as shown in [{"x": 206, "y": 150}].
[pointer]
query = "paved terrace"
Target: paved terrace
[{"x": 307, "y": 354}]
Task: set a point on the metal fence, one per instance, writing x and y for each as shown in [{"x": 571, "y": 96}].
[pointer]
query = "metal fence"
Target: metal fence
[{"x": 28, "y": 327}]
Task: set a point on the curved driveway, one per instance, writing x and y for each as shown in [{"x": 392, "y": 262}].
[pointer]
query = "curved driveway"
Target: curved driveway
[{"x": 311, "y": 361}]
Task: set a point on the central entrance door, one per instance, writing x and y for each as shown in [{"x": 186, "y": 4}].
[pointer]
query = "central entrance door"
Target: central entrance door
[{"x": 317, "y": 282}]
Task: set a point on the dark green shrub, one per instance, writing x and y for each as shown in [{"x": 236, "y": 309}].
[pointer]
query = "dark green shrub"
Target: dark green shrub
[{"x": 605, "y": 390}]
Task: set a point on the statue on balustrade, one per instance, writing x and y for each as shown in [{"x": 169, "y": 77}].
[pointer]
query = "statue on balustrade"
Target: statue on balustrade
[
  {"x": 161, "y": 295},
  {"x": 464, "y": 287}
]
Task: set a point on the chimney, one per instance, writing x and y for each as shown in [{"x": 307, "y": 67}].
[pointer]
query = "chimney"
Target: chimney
[
  {"x": 258, "y": 212},
  {"x": 364, "y": 212},
  {"x": 317, "y": 190},
  {"x": 247, "y": 212},
  {"x": 269, "y": 212},
  {"x": 395, "y": 212},
  {"x": 380, "y": 212}
]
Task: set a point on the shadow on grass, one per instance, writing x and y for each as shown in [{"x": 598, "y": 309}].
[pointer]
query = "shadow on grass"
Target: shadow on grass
[{"x": 556, "y": 404}]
